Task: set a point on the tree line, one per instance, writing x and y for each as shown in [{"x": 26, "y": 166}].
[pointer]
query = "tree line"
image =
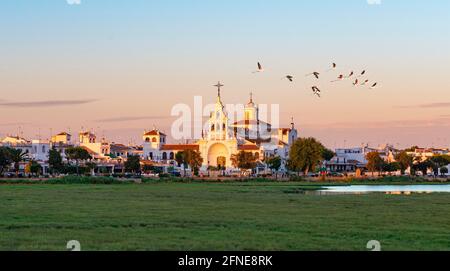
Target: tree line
[
  {"x": 11, "y": 156},
  {"x": 404, "y": 161},
  {"x": 305, "y": 155}
]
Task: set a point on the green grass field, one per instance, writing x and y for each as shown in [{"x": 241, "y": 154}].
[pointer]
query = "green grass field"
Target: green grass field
[{"x": 230, "y": 216}]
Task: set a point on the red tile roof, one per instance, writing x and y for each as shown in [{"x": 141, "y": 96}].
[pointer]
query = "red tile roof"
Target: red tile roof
[
  {"x": 180, "y": 147},
  {"x": 154, "y": 133}
]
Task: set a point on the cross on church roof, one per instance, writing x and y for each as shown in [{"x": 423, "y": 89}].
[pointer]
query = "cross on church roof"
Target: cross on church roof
[{"x": 219, "y": 85}]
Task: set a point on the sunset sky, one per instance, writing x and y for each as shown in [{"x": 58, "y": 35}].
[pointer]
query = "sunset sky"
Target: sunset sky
[{"x": 118, "y": 67}]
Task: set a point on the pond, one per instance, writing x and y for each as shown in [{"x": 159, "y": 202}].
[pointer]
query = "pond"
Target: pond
[{"x": 388, "y": 189}]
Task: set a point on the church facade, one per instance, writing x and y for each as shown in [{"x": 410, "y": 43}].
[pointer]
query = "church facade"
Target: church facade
[{"x": 222, "y": 139}]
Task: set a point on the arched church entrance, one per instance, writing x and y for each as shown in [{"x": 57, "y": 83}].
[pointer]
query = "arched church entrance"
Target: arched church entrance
[{"x": 217, "y": 155}]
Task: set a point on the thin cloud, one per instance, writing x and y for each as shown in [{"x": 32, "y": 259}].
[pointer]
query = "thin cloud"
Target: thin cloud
[
  {"x": 46, "y": 103},
  {"x": 15, "y": 123},
  {"x": 428, "y": 105},
  {"x": 73, "y": 2},
  {"x": 124, "y": 119}
]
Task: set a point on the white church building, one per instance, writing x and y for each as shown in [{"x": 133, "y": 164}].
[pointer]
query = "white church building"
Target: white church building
[{"x": 223, "y": 139}]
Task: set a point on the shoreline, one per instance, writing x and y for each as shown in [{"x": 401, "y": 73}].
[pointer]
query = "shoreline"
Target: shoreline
[{"x": 311, "y": 182}]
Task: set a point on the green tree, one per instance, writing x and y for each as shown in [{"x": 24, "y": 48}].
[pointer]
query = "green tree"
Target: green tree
[
  {"x": 423, "y": 166},
  {"x": 55, "y": 161},
  {"x": 405, "y": 161},
  {"x": 439, "y": 161},
  {"x": 195, "y": 160},
  {"x": 181, "y": 161},
  {"x": 327, "y": 154},
  {"x": 444, "y": 171},
  {"x": 179, "y": 158},
  {"x": 33, "y": 168},
  {"x": 90, "y": 167},
  {"x": 17, "y": 156},
  {"x": 391, "y": 167},
  {"x": 374, "y": 162},
  {"x": 189, "y": 158},
  {"x": 77, "y": 154},
  {"x": 274, "y": 163},
  {"x": 133, "y": 164},
  {"x": 244, "y": 160},
  {"x": 305, "y": 155},
  {"x": 5, "y": 159}
]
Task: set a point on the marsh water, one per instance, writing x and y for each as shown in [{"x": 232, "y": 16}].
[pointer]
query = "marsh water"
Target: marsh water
[{"x": 388, "y": 189}]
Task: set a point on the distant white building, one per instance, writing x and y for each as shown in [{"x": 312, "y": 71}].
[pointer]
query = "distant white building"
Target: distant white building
[
  {"x": 350, "y": 159},
  {"x": 40, "y": 150},
  {"x": 426, "y": 153}
]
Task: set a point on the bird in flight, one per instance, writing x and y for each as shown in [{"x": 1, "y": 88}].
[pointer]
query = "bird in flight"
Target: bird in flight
[
  {"x": 316, "y": 74},
  {"x": 374, "y": 85},
  {"x": 316, "y": 91},
  {"x": 362, "y": 73},
  {"x": 365, "y": 82},
  {"x": 289, "y": 77},
  {"x": 340, "y": 78},
  {"x": 333, "y": 67},
  {"x": 356, "y": 82},
  {"x": 260, "y": 68},
  {"x": 351, "y": 74}
]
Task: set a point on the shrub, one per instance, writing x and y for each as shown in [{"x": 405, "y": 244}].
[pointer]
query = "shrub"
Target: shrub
[{"x": 69, "y": 180}]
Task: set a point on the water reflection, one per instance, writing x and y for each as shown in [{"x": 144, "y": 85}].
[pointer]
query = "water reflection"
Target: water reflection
[{"x": 386, "y": 189}]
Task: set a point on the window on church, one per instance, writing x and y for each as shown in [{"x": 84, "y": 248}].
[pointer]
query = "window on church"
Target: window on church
[
  {"x": 164, "y": 156},
  {"x": 172, "y": 156},
  {"x": 212, "y": 128},
  {"x": 147, "y": 139},
  {"x": 154, "y": 139},
  {"x": 223, "y": 127}
]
